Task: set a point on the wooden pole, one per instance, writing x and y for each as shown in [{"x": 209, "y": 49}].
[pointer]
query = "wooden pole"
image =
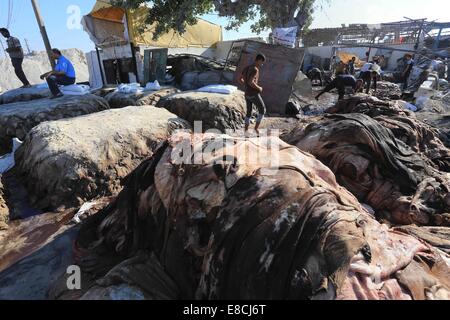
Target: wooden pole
[
  {"x": 100, "y": 65},
  {"x": 28, "y": 47},
  {"x": 40, "y": 21}
]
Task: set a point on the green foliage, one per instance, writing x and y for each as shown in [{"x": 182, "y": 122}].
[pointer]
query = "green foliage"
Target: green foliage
[{"x": 266, "y": 14}]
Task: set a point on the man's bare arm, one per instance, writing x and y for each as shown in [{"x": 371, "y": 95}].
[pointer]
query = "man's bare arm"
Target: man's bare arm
[{"x": 241, "y": 79}]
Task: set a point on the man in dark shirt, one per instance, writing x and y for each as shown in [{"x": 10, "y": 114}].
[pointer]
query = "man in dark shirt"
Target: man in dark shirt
[
  {"x": 351, "y": 66},
  {"x": 408, "y": 69},
  {"x": 340, "y": 83},
  {"x": 315, "y": 74},
  {"x": 15, "y": 52},
  {"x": 250, "y": 78}
]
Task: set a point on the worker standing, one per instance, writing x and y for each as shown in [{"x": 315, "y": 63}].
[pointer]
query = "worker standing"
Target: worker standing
[
  {"x": 341, "y": 68},
  {"x": 250, "y": 78},
  {"x": 15, "y": 52},
  {"x": 351, "y": 66},
  {"x": 408, "y": 69},
  {"x": 370, "y": 73}
]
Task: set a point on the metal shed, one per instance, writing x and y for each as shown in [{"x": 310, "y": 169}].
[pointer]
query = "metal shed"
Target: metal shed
[{"x": 279, "y": 75}]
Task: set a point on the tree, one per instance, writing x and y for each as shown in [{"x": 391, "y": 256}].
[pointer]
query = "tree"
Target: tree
[{"x": 267, "y": 14}]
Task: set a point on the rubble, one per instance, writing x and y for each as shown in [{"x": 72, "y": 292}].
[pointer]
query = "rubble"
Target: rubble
[
  {"x": 388, "y": 91},
  {"x": 241, "y": 230},
  {"x": 215, "y": 110},
  {"x": 24, "y": 94},
  {"x": 146, "y": 98},
  {"x": 436, "y": 113},
  {"x": 403, "y": 185},
  {"x": 17, "y": 119},
  {"x": 369, "y": 105},
  {"x": 59, "y": 170}
]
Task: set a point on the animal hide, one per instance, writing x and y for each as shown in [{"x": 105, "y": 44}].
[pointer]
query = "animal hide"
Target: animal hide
[{"x": 255, "y": 219}]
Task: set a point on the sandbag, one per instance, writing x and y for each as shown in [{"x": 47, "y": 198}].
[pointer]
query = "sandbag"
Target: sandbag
[{"x": 388, "y": 91}]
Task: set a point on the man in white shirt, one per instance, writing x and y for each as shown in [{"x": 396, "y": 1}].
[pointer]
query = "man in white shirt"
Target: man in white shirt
[{"x": 369, "y": 73}]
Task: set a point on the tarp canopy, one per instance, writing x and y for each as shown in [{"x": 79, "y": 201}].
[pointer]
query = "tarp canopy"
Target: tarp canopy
[
  {"x": 346, "y": 57},
  {"x": 108, "y": 25}
]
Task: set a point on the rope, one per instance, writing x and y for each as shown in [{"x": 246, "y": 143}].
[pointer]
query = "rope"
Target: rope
[{"x": 10, "y": 12}]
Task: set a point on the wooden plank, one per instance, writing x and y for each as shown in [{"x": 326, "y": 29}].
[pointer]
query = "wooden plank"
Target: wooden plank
[{"x": 155, "y": 64}]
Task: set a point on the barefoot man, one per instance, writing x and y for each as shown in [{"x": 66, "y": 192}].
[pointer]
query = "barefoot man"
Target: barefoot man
[{"x": 249, "y": 78}]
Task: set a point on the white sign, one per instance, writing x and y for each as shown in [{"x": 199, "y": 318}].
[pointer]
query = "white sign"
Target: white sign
[{"x": 285, "y": 36}]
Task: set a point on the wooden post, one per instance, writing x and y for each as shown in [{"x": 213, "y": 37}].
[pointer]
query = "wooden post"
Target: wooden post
[
  {"x": 100, "y": 65},
  {"x": 40, "y": 21}
]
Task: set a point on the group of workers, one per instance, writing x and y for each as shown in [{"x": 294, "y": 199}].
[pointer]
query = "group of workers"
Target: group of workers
[
  {"x": 345, "y": 77},
  {"x": 63, "y": 73},
  {"x": 369, "y": 74}
]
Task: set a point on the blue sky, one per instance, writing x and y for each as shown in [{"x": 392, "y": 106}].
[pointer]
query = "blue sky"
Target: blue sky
[{"x": 332, "y": 13}]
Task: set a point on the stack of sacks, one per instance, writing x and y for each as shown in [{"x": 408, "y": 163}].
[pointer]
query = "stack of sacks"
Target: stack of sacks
[
  {"x": 130, "y": 88},
  {"x": 71, "y": 90},
  {"x": 153, "y": 86},
  {"x": 219, "y": 88},
  {"x": 75, "y": 89}
]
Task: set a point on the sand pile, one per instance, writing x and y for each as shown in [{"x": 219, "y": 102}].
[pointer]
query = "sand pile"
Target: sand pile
[{"x": 37, "y": 64}]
